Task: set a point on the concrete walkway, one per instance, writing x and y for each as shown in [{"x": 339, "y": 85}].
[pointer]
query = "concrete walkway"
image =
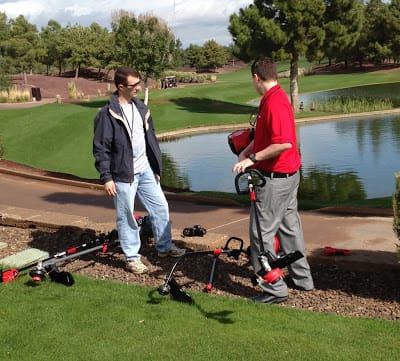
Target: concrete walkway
[{"x": 58, "y": 202}]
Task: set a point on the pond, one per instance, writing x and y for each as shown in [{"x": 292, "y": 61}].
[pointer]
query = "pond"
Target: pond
[{"x": 342, "y": 159}]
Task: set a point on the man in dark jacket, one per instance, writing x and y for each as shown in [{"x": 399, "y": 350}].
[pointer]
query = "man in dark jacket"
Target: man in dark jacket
[{"x": 128, "y": 159}]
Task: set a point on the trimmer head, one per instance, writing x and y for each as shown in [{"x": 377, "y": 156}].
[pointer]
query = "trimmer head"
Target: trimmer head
[
  {"x": 39, "y": 273},
  {"x": 62, "y": 277},
  {"x": 177, "y": 293}
]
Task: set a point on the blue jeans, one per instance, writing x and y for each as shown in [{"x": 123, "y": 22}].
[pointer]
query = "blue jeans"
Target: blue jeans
[{"x": 152, "y": 197}]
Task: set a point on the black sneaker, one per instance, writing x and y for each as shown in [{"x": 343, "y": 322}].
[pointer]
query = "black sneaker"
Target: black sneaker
[
  {"x": 267, "y": 298},
  {"x": 174, "y": 251}
]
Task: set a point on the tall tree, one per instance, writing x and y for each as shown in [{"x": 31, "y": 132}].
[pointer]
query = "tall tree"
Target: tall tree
[
  {"x": 76, "y": 40},
  {"x": 4, "y": 31},
  {"x": 51, "y": 39},
  {"x": 374, "y": 41},
  {"x": 280, "y": 29},
  {"x": 102, "y": 47},
  {"x": 193, "y": 54},
  {"x": 178, "y": 57},
  {"x": 144, "y": 42},
  {"x": 22, "y": 45},
  {"x": 214, "y": 55},
  {"x": 343, "y": 24},
  {"x": 394, "y": 29},
  {"x": 4, "y": 36}
]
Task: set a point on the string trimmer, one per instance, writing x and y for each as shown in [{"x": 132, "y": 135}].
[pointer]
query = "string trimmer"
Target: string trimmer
[
  {"x": 48, "y": 266},
  {"x": 171, "y": 286},
  {"x": 271, "y": 264},
  {"x": 39, "y": 270}
]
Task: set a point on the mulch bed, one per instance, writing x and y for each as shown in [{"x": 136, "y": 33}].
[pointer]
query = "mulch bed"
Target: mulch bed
[{"x": 338, "y": 291}]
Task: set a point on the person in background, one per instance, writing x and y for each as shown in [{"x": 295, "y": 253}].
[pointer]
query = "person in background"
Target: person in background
[
  {"x": 128, "y": 158},
  {"x": 273, "y": 151}
]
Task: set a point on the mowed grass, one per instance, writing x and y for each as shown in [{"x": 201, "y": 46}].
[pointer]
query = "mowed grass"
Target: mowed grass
[
  {"x": 54, "y": 137},
  {"x": 107, "y": 320}
]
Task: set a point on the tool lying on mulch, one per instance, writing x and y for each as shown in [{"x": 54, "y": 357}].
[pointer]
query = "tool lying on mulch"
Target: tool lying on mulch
[
  {"x": 331, "y": 251},
  {"x": 271, "y": 264},
  {"x": 171, "y": 286},
  {"x": 48, "y": 267},
  {"x": 195, "y": 231}
]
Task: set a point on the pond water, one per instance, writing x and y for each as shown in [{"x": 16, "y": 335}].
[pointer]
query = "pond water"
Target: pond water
[{"x": 342, "y": 159}]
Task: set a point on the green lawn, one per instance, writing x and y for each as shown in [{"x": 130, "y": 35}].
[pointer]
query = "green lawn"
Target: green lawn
[{"x": 106, "y": 320}]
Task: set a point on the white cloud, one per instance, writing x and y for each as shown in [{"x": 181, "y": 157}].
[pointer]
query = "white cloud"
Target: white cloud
[
  {"x": 77, "y": 10},
  {"x": 192, "y": 21}
]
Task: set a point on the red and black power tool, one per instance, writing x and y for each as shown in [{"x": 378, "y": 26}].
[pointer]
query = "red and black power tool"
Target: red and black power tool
[
  {"x": 48, "y": 267},
  {"x": 240, "y": 139},
  {"x": 271, "y": 264}
]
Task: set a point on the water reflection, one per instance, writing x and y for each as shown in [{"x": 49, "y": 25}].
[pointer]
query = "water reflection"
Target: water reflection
[
  {"x": 342, "y": 160},
  {"x": 200, "y": 162},
  {"x": 326, "y": 186},
  {"x": 172, "y": 176}
]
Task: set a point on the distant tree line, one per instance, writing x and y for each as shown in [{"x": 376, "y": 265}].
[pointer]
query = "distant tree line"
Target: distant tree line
[
  {"x": 143, "y": 41},
  {"x": 337, "y": 30}
]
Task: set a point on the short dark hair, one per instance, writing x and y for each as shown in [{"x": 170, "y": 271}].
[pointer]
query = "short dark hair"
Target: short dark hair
[
  {"x": 122, "y": 73},
  {"x": 265, "y": 68}
]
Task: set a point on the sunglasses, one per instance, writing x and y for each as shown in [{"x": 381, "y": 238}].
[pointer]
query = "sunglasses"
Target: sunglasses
[{"x": 132, "y": 85}]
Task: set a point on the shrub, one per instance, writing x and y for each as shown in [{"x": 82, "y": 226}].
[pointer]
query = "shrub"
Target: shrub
[
  {"x": 72, "y": 90},
  {"x": 188, "y": 76},
  {"x": 14, "y": 95},
  {"x": 396, "y": 211},
  {"x": 1, "y": 149},
  {"x": 351, "y": 104}
]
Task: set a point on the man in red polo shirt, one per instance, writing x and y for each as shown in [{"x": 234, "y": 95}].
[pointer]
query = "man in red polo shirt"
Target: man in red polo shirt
[{"x": 274, "y": 153}]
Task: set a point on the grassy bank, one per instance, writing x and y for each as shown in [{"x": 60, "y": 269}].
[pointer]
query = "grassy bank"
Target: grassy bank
[{"x": 113, "y": 320}]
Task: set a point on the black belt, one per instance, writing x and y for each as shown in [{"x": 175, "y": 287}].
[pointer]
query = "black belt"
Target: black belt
[{"x": 276, "y": 174}]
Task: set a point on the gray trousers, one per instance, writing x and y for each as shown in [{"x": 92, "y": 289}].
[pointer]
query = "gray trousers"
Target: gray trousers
[{"x": 276, "y": 206}]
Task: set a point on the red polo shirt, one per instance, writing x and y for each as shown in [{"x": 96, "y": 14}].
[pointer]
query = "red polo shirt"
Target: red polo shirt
[{"x": 276, "y": 125}]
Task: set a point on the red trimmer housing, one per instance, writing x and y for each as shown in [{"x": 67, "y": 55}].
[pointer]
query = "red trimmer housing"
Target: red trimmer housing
[
  {"x": 9, "y": 275},
  {"x": 331, "y": 251},
  {"x": 240, "y": 139}
]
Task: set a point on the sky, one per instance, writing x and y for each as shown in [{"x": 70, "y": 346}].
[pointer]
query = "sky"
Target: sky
[{"x": 192, "y": 21}]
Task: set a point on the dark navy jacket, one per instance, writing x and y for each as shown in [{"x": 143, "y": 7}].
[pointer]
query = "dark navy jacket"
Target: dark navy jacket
[{"x": 112, "y": 146}]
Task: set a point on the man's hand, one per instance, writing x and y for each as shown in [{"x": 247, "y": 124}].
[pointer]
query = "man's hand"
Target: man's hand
[
  {"x": 110, "y": 189},
  {"x": 242, "y": 165}
]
